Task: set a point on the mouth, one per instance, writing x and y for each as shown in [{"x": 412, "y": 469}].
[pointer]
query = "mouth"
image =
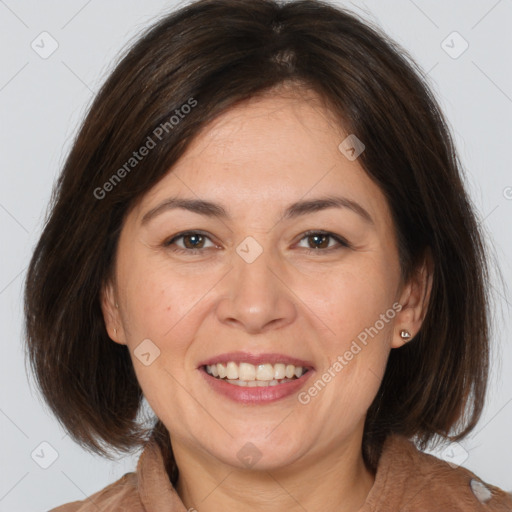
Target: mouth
[
  {"x": 255, "y": 379},
  {"x": 249, "y": 375}
]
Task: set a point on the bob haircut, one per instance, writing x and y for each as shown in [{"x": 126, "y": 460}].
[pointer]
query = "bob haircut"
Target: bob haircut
[{"x": 183, "y": 72}]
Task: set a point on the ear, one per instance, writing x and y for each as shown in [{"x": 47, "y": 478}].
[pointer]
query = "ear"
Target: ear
[
  {"x": 111, "y": 314},
  {"x": 414, "y": 300}
]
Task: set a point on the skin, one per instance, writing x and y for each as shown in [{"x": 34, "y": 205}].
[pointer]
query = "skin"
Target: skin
[{"x": 255, "y": 160}]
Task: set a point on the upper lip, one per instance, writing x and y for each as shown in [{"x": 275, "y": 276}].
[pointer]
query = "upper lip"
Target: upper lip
[{"x": 255, "y": 359}]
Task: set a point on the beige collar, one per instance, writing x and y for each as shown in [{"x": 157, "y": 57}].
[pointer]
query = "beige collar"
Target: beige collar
[{"x": 406, "y": 479}]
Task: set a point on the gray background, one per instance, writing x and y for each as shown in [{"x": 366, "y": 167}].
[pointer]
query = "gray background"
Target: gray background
[{"x": 42, "y": 100}]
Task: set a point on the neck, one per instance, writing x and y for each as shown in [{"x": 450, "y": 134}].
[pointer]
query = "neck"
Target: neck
[{"x": 334, "y": 480}]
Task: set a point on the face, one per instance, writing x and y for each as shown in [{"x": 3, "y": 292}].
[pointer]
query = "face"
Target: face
[{"x": 261, "y": 276}]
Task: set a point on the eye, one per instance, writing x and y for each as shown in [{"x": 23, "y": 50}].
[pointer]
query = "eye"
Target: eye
[
  {"x": 193, "y": 242},
  {"x": 320, "y": 241}
]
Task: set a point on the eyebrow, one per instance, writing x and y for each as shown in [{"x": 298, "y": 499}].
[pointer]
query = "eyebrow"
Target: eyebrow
[{"x": 211, "y": 209}]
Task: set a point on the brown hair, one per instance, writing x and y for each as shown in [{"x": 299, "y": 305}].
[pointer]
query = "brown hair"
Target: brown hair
[{"x": 218, "y": 53}]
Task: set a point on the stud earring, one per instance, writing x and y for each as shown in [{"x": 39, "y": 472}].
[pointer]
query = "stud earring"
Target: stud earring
[
  {"x": 115, "y": 330},
  {"x": 405, "y": 335}
]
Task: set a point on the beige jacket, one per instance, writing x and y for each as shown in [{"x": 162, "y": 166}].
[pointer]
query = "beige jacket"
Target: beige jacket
[{"x": 407, "y": 480}]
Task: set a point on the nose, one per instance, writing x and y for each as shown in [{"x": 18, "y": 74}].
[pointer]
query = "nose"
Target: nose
[{"x": 256, "y": 296}]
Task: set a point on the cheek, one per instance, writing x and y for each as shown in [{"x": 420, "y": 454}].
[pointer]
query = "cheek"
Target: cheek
[
  {"x": 166, "y": 307},
  {"x": 353, "y": 302},
  {"x": 155, "y": 297},
  {"x": 158, "y": 309},
  {"x": 357, "y": 308}
]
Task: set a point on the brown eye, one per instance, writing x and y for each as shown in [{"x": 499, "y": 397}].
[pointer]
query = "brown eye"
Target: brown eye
[
  {"x": 192, "y": 241},
  {"x": 319, "y": 241}
]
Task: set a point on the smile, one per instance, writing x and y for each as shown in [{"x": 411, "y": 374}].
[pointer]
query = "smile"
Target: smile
[
  {"x": 261, "y": 375},
  {"x": 257, "y": 385}
]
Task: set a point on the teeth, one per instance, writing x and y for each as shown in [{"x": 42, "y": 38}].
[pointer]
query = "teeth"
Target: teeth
[
  {"x": 265, "y": 372},
  {"x": 279, "y": 371},
  {"x": 246, "y": 374},
  {"x": 257, "y": 383},
  {"x": 246, "y": 371},
  {"x": 231, "y": 371}
]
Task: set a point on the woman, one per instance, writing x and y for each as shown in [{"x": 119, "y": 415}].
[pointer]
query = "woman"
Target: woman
[{"x": 262, "y": 229}]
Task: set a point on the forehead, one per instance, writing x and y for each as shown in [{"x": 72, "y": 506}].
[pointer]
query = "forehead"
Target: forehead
[
  {"x": 288, "y": 127},
  {"x": 269, "y": 151}
]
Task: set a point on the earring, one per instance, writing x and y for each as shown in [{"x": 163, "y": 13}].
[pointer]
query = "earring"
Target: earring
[
  {"x": 115, "y": 330},
  {"x": 405, "y": 335}
]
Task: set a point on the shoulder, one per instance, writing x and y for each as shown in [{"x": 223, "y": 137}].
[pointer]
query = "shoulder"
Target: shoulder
[
  {"x": 147, "y": 488},
  {"x": 410, "y": 480},
  {"x": 121, "y": 493}
]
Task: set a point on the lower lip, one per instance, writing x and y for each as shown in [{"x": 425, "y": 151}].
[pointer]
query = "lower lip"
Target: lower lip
[{"x": 256, "y": 395}]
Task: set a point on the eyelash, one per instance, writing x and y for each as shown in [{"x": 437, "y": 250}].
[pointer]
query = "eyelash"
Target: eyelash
[{"x": 342, "y": 243}]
